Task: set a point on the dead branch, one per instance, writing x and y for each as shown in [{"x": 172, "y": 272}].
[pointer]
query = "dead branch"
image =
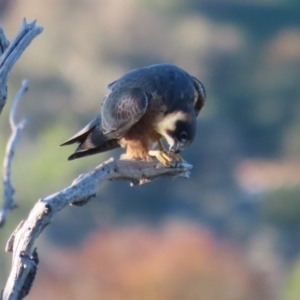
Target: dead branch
[
  {"x": 4, "y": 43},
  {"x": 8, "y": 201},
  {"x": 83, "y": 189},
  {"x": 10, "y": 53}
]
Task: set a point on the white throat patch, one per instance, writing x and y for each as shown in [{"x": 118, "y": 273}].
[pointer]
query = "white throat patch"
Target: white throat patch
[{"x": 168, "y": 123}]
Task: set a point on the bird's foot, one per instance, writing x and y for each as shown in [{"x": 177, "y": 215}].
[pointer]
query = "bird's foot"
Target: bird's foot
[{"x": 167, "y": 158}]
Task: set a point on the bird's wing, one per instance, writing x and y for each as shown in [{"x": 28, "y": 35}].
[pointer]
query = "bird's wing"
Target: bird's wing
[
  {"x": 200, "y": 95},
  {"x": 121, "y": 109}
]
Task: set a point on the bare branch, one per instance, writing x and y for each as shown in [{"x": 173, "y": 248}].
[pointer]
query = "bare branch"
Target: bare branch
[
  {"x": 12, "y": 52},
  {"x": 4, "y": 42},
  {"x": 17, "y": 128},
  {"x": 82, "y": 189}
]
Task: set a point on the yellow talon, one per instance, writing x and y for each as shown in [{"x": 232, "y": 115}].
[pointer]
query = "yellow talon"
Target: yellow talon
[
  {"x": 176, "y": 157},
  {"x": 166, "y": 158}
]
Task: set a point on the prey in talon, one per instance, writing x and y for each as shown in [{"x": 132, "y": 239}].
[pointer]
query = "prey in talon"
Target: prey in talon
[{"x": 142, "y": 108}]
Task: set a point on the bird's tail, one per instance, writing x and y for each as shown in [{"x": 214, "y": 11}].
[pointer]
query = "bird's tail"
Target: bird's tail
[
  {"x": 91, "y": 140},
  {"x": 82, "y": 151}
]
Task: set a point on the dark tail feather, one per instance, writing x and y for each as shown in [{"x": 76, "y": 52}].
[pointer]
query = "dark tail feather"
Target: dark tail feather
[
  {"x": 82, "y": 135},
  {"x": 80, "y": 152},
  {"x": 91, "y": 140},
  {"x": 76, "y": 139}
]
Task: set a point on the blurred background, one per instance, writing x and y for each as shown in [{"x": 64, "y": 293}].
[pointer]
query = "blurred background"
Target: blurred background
[{"x": 231, "y": 231}]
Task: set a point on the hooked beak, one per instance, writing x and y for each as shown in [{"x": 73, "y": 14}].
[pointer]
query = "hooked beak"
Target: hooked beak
[{"x": 175, "y": 147}]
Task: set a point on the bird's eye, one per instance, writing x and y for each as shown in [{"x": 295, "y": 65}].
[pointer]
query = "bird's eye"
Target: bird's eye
[{"x": 183, "y": 137}]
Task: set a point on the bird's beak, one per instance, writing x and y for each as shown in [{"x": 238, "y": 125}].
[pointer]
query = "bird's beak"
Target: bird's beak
[{"x": 175, "y": 147}]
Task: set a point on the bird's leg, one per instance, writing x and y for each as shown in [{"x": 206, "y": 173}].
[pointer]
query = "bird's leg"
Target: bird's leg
[{"x": 164, "y": 156}]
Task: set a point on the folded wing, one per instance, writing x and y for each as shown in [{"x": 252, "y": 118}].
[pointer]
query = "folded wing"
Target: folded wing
[{"x": 120, "y": 110}]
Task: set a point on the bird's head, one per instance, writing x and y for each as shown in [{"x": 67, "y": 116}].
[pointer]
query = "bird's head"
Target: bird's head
[
  {"x": 179, "y": 129},
  {"x": 182, "y": 136}
]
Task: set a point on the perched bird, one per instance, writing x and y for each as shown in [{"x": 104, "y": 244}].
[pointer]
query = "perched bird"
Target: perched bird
[{"x": 142, "y": 107}]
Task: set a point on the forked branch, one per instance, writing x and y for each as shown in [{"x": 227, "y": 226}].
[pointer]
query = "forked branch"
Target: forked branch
[
  {"x": 10, "y": 53},
  {"x": 82, "y": 190}
]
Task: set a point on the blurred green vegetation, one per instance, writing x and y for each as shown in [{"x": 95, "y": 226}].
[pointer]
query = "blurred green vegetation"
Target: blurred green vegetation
[
  {"x": 293, "y": 291},
  {"x": 247, "y": 54},
  {"x": 281, "y": 208}
]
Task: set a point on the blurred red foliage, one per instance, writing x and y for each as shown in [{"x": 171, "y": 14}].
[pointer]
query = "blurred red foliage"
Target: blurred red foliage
[{"x": 175, "y": 261}]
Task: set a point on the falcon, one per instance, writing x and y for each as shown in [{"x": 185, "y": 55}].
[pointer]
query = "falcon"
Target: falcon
[{"x": 141, "y": 108}]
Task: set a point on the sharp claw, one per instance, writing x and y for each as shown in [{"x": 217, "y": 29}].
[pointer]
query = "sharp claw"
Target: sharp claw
[
  {"x": 178, "y": 158},
  {"x": 175, "y": 157},
  {"x": 161, "y": 156},
  {"x": 166, "y": 158}
]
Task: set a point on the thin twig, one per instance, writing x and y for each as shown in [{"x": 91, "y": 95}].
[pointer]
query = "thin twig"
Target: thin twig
[
  {"x": 4, "y": 42},
  {"x": 12, "y": 53},
  {"x": 83, "y": 189},
  {"x": 8, "y": 191}
]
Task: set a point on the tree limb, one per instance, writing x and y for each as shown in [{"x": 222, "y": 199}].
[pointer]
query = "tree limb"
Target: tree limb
[
  {"x": 83, "y": 189},
  {"x": 10, "y": 53},
  {"x": 4, "y": 43},
  {"x": 17, "y": 128}
]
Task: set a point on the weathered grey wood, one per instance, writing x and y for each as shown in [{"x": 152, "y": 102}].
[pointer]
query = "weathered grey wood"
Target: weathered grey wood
[
  {"x": 12, "y": 52},
  {"x": 4, "y": 42},
  {"x": 82, "y": 190},
  {"x": 9, "y": 54},
  {"x": 8, "y": 191}
]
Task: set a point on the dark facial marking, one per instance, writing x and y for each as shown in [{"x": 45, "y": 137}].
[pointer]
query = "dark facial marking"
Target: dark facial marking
[
  {"x": 185, "y": 131},
  {"x": 183, "y": 137}
]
